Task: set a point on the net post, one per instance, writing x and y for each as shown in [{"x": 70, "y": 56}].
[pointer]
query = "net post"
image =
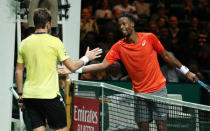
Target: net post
[{"x": 102, "y": 123}]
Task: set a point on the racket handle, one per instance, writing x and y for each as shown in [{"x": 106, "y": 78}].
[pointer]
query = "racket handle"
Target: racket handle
[{"x": 14, "y": 92}]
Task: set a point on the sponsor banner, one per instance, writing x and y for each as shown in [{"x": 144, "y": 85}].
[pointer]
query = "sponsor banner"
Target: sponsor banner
[{"x": 85, "y": 114}]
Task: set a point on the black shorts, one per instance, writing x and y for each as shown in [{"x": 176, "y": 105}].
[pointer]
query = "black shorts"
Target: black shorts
[{"x": 51, "y": 111}]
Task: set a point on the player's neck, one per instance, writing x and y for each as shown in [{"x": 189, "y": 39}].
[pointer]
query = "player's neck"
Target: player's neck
[
  {"x": 133, "y": 38},
  {"x": 41, "y": 31}
]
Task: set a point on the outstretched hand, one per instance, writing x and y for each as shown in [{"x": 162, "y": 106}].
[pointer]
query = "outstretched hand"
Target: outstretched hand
[
  {"x": 93, "y": 54},
  {"x": 63, "y": 70}
]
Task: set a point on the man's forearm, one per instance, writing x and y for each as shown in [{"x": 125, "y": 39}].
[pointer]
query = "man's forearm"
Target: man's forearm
[
  {"x": 174, "y": 61},
  {"x": 19, "y": 81},
  {"x": 73, "y": 65},
  {"x": 93, "y": 68},
  {"x": 171, "y": 59}
]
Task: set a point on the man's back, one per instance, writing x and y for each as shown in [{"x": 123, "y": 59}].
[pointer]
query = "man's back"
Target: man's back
[{"x": 39, "y": 54}]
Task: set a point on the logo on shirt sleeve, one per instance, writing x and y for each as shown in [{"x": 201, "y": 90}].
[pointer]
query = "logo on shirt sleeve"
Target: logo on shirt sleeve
[{"x": 144, "y": 43}]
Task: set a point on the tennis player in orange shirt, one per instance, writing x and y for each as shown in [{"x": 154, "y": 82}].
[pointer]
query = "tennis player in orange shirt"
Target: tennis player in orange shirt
[{"x": 138, "y": 52}]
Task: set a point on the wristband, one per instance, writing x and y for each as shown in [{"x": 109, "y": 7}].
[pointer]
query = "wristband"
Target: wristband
[
  {"x": 184, "y": 69},
  {"x": 85, "y": 59},
  {"x": 79, "y": 70}
]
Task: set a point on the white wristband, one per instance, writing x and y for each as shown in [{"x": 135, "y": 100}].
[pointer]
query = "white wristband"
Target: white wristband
[
  {"x": 184, "y": 69},
  {"x": 85, "y": 59},
  {"x": 79, "y": 70}
]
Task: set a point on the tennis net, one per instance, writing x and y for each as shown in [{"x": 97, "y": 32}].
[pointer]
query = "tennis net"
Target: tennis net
[{"x": 121, "y": 109}]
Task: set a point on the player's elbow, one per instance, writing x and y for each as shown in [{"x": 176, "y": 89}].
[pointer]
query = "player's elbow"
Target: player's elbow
[{"x": 18, "y": 73}]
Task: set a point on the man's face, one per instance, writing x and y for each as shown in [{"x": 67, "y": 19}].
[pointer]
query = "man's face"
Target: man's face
[
  {"x": 173, "y": 21},
  {"x": 85, "y": 13},
  {"x": 126, "y": 26}
]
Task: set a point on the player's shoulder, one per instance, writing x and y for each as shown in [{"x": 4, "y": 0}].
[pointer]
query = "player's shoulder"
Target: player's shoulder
[
  {"x": 55, "y": 41},
  {"x": 118, "y": 44},
  {"x": 121, "y": 41},
  {"x": 146, "y": 34},
  {"x": 26, "y": 40},
  {"x": 53, "y": 37}
]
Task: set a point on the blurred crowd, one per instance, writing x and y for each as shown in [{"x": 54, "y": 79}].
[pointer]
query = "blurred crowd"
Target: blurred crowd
[{"x": 183, "y": 27}]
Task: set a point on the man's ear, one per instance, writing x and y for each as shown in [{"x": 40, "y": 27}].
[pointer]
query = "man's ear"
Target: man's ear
[
  {"x": 132, "y": 24},
  {"x": 48, "y": 25}
]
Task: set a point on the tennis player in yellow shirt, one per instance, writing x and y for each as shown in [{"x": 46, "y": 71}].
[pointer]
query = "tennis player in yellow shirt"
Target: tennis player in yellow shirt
[{"x": 39, "y": 53}]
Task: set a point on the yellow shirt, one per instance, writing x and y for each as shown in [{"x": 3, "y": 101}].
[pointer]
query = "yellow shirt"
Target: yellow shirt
[{"x": 39, "y": 53}]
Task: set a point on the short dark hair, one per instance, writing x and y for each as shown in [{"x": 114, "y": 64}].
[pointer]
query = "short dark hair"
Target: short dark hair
[
  {"x": 128, "y": 15},
  {"x": 41, "y": 17}
]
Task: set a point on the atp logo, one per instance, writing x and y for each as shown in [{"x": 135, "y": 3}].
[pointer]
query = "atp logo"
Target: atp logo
[{"x": 144, "y": 43}]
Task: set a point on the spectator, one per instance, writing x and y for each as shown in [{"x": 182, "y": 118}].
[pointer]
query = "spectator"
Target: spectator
[
  {"x": 143, "y": 11},
  {"x": 189, "y": 46},
  {"x": 161, "y": 12},
  {"x": 88, "y": 41},
  {"x": 114, "y": 72},
  {"x": 202, "y": 10},
  {"x": 124, "y": 6},
  {"x": 52, "y": 5},
  {"x": 161, "y": 22},
  {"x": 175, "y": 32},
  {"x": 87, "y": 24},
  {"x": 194, "y": 24},
  {"x": 153, "y": 28},
  {"x": 112, "y": 25},
  {"x": 104, "y": 11},
  {"x": 184, "y": 12},
  {"x": 93, "y": 75},
  {"x": 170, "y": 72},
  {"x": 202, "y": 39},
  {"x": 204, "y": 57},
  {"x": 165, "y": 38},
  {"x": 107, "y": 41},
  {"x": 142, "y": 8},
  {"x": 91, "y": 10}
]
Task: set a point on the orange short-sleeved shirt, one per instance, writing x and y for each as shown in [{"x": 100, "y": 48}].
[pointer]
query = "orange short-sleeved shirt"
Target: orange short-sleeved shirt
[{"x": 141, "y": 62}]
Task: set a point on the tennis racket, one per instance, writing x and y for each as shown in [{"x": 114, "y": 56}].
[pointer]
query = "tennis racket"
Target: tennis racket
[
  {"x": 202, "y": 84},
  {"x": 205, "y": 86},
  {"x": 14, "y": 92}
]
